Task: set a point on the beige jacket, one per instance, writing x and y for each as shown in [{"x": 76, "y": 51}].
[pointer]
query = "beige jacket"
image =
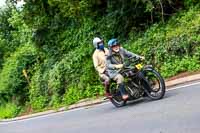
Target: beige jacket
[{"x": 99, "y": 60}]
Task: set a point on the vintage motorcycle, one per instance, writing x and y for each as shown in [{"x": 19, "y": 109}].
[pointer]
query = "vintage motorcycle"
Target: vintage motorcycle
[{"x": 140, "y": 81}]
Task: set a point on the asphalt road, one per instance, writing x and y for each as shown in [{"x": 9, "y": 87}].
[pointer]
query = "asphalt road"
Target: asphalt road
[{"x": 178, "y": 112}]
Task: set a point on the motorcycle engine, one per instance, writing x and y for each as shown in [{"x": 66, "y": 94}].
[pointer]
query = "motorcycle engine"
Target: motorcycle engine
[{"x": 134, "y": 90}]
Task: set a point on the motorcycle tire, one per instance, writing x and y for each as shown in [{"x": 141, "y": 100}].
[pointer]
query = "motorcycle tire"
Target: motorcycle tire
[{"x": 152, "y": 93}]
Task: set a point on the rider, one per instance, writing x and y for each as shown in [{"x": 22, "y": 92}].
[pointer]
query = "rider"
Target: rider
[
  {"x": 115, "y": 61},
  {"x": 99, "y": 61}
]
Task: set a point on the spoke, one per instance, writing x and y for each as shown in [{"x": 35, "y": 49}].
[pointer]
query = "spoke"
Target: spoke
[{"x": 154, "y": 83}]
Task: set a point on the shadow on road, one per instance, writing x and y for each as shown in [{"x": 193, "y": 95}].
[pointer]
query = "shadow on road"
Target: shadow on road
[{"x": 146, "y": 100}]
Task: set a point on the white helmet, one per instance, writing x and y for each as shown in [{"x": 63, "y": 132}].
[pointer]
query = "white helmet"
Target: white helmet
[{"x": 96, "y": 40}]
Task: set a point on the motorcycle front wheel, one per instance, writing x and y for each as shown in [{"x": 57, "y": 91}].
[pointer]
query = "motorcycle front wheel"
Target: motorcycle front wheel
[{"x": 154, "y": 84}]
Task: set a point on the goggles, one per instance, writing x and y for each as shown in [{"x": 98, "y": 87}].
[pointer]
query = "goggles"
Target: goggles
[
  {"x": 115, "y": 45},
  {"x": 100, "y": 42}
]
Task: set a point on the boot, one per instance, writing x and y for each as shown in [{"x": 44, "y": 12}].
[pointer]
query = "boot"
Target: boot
[
  {"x": 107, "y": 86},
  {"x": 123, "y": 91}
]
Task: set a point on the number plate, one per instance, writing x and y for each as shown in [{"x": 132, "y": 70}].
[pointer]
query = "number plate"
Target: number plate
[{"x": 139, "y": 66}]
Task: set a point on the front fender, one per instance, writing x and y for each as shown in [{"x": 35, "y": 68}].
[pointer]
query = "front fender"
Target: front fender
[
  {"x": 148, "y": 67},
  {"x": 144, "y": 81}
]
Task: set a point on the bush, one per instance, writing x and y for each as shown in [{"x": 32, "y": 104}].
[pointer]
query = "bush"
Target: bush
[
  {"x": 173, "y": 47},
  {"x": 9, "y": 110},
  {"x": 190, "y": 3},
  {"x": 12, "y": 80},
  {"x": 39, "y": 93},
  {"x": 172, "y": 67}
]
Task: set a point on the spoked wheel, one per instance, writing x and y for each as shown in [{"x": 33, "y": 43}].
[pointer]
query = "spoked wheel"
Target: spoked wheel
[
  {"x": 116, "y": 99},
  {"x": 155, "y": 84}
]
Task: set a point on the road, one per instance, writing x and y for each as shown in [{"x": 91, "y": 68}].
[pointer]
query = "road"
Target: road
[{"x": 178, "y": 112}]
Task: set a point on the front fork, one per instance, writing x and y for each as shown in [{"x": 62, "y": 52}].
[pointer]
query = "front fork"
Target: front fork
[{"x": 144, "y": 83}]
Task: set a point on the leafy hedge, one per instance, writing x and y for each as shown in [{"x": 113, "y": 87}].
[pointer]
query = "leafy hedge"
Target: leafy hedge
[
  {"x": 173, "y": 47},
  {"x": 9, "y": 110},
  {"x": 46, "y": 48},
  {"x": 14, "y": 85}
]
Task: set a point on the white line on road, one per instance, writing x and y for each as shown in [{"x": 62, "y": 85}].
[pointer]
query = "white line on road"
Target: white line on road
[
  {"x": 183, "y": 86},
  {"x": 73, "y": 110}
]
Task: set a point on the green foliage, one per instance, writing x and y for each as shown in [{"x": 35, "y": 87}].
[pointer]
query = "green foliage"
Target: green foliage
[
  {"x": 75, "y": 94},
  {"x": 9, "y": 110},
  {"x": 12, "y": 81},
  {"x": 72, "y": 96},
  {"x": 5, "y": 33},
  {"x": 51, "y": 42},
  {"x": 171, "y": 68},
  {"x": 38, "y": 89},
  {"x": 190, "y": 3},
  {"x": 171, "y": 47}
]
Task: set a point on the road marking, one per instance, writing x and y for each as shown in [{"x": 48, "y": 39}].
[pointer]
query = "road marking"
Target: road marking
[
  {"x": 182, "y": 86},
  {"x": 77, "y": 109}
]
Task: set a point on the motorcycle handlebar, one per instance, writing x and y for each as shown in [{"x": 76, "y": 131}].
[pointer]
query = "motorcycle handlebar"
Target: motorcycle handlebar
[{"x": 132, "y": 60}]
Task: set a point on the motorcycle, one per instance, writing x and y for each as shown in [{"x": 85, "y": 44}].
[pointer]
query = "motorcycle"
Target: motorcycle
[{"x": 140, "y": 81}]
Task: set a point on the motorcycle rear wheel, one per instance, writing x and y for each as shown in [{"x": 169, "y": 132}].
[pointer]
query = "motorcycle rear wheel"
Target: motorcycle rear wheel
[{"x": 116, "y": 99}]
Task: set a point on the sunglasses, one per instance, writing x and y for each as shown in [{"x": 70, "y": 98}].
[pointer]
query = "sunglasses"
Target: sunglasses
[{"x": 116, "y": 45}]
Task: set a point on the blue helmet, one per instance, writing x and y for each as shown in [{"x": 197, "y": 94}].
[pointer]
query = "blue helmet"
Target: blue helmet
[{"x": 113, "y": 42}]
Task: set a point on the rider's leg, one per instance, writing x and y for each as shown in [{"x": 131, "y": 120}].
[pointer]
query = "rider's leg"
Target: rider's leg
[
  {"x": 120, "y": 81},
  {"x": 106, "y": 83}
]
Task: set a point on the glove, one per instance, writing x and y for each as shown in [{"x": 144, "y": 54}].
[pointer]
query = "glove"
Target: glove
[{"x": 119, "y": 66}]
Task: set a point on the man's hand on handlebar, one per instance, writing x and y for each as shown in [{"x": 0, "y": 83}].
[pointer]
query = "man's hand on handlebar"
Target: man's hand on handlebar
[
  {"x": 119, "y": 66},
  {"x": 142, "y": 58}
]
